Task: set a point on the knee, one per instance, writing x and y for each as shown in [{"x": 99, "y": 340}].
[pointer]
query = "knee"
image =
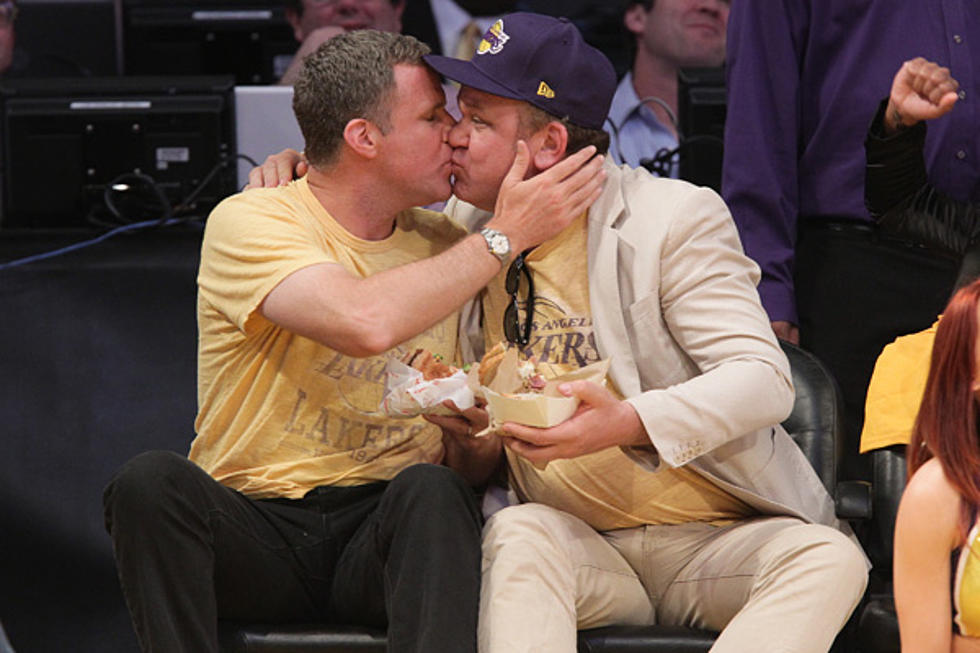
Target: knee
[
  {"x": 428, "y": 480},
  {"x": 434, "y": 490},
  {"x": 845, "y": 562},
  {"x": 145, "y": 483},
  {"x": 529, "y": 527},
  {"x": 832, "y": 559}
]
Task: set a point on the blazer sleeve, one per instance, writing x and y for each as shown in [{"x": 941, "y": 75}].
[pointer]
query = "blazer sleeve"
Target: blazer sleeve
[{"x": 739, "y": 379}]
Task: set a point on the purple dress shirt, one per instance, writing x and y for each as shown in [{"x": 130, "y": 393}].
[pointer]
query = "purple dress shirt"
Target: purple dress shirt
[{"x": 804, "y": 80}]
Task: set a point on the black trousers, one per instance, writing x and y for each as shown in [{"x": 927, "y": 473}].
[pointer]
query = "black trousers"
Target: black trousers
[
  {"x": 857, "y": 291},
  {"x": 403, "y": 554}
]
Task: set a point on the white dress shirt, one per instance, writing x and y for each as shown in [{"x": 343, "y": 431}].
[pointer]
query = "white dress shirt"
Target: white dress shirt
[{"x": 636, "y": 133}]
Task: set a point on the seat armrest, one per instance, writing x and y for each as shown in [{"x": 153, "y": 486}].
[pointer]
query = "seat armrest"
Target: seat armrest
[{"x": 852, "y": 500}]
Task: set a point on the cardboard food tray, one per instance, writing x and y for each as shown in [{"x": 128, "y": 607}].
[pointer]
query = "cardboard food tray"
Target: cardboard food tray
[
  {"x": 542, "y": 410},
  {"x": 530, "y": 409}
]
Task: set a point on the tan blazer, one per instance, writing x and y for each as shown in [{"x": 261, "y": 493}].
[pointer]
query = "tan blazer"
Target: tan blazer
[{"x": 675, "y": 307}]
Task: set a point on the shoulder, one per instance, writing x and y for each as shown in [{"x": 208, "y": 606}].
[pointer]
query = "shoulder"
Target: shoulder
[
  {"x": 931, "y": 483},
  {"x": 280, "y": 201},
  {"x": 677, "y": 209},
  {"x": 258, "y": 200},
  {"x": 256, "y": 214},
  {"x": 914, "y": 346},
  {"x": 643, "y": 191},
  {"x": 929, "y": 496}
]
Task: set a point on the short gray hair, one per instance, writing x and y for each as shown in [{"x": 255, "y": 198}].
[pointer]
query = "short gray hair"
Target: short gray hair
[{"x": 350, "y": 76}]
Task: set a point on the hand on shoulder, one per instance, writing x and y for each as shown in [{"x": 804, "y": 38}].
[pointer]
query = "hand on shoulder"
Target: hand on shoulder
[{"x": 278, "y": 170}]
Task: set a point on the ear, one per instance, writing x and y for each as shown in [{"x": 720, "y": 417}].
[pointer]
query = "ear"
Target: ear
[
  {"x": 635, "y": 19},
  {"x": 363, "y": 137},
  {"x": 399, "y": 10},
  {"x": 549, "y": 145},
  {"x": 296, "y": 23}
]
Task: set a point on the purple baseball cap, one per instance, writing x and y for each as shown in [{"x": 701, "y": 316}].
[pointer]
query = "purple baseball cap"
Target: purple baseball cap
[{"x": 540, "y": 60}]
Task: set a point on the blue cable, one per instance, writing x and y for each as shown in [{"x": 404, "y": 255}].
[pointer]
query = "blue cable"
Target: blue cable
[{"x": 87, "y": 243}]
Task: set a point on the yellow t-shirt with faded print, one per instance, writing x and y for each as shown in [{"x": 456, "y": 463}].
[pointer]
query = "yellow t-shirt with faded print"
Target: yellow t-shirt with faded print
[
  {"x": 605, "y": 489},
  {"x": 280, "y": 414}
]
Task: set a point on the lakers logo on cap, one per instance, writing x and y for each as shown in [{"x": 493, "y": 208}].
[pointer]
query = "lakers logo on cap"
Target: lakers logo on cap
[
  {"x": 493, "y": 41},
  {"x": 545, "y": 91}
]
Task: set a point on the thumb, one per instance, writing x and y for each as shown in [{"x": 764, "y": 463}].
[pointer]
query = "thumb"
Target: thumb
[
  {"x": 588, "y": 392},
  {"x": 947, "y": 101},
  {"x": 519, "y": 167}
]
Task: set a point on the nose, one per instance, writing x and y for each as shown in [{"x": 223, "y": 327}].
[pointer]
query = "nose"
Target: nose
[
  {"x": 448, "y": 123},
  {"x": 458, "y": 136},
  {"x": 713, "y": 7},
  {"x": 346, "y": 6}
]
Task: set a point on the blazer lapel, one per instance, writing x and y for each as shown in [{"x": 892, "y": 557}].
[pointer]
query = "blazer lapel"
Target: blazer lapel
[{"x": 608, "y": 312}]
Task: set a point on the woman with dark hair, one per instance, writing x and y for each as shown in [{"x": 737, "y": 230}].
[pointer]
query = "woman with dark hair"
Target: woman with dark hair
[{"x": 937, "y": 534}]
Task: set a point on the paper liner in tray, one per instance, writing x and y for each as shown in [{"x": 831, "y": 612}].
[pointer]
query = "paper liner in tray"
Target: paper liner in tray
[
  {"x": 408, "y": 394},
  {"x": 529, "y": 409}
]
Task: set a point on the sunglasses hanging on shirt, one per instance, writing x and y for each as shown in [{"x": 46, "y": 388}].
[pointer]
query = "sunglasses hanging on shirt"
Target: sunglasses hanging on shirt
[{"x": 514, "y": 330}]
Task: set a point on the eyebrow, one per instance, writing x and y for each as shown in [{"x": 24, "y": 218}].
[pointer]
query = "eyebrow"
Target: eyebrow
[
  {"x": 473, "y": 103},
  {"x": 435, "y": 106}
]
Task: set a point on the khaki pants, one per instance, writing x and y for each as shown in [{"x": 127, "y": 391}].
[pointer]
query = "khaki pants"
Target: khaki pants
[{"x": 770, "y": 583}]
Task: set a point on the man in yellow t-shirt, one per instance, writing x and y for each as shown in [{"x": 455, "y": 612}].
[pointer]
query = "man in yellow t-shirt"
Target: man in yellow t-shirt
[{"x": 299, "y": 501}]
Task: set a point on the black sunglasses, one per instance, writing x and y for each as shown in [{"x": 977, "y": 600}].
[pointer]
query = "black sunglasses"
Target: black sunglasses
[{"x": 514, "y": 331}]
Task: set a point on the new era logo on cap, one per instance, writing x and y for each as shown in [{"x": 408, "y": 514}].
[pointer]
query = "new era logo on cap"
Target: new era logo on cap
[{"x": 521, "y": 50}]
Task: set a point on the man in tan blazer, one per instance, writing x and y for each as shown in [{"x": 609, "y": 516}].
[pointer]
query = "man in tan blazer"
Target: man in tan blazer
[{"x": 673, "y": 495}]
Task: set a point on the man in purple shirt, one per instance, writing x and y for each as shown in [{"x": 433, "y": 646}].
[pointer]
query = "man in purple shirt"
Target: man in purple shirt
[{"x": 804, "y": 80}]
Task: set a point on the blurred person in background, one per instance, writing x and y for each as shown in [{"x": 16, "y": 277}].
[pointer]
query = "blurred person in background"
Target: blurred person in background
[
  {"x": 669, "y": 35},
  {"x": 8, "y": 14},
  {"x": 16, "y": 61},
  {"x": 315, "y": 22}
]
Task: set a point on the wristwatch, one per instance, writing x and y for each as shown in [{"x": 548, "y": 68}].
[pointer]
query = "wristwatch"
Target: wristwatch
[{"x": 497, "y": 243}]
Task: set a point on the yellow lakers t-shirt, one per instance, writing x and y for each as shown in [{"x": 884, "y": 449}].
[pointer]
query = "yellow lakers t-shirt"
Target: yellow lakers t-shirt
[
  {"x": 280, "y": 414},
  {"x": 606, "y": 489}
]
